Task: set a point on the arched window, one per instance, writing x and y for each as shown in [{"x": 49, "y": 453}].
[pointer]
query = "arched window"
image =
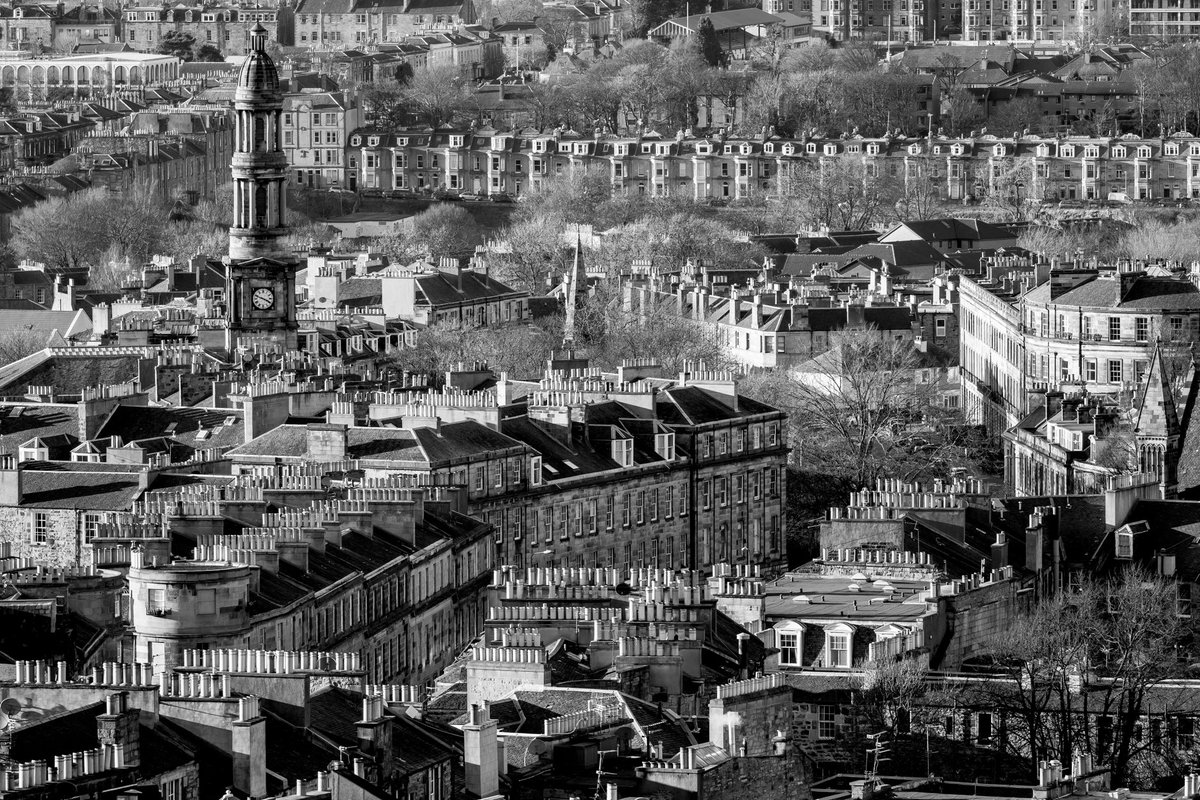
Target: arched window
[{"x": 260, "y": 206}]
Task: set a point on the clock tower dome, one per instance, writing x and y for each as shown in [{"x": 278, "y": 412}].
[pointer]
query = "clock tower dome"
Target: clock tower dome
[{"x": 260, "y": 281}]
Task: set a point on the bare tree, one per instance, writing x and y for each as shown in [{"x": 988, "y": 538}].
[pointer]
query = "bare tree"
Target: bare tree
[
  {"x": 841, "y": 193},
  {"x": 1090, "y": 654},
  {"x": 18, "y": 344},
  {"x": 869, "y": 410}
]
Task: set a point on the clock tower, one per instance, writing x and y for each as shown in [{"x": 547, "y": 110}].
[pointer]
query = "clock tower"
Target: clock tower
[{"x": 260, "y": 283}]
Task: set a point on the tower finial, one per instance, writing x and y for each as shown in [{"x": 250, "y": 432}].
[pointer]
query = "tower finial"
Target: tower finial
[{"x": 258, "y": 38}]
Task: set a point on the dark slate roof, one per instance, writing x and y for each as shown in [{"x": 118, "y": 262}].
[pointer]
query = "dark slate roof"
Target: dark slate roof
[
  {"x": 19, "y": 424},
  {"x": 182, "y": 426},
  {"x": 91, "y": 491},
  {"x": 885, "y": 318},
  {"x": 443, "y": 289},
  {"x": 335, "y": 714},
  {"x": 954, "y": 228}
]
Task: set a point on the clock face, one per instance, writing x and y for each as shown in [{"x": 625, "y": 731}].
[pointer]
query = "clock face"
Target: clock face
[{"x": 263, "y": 299}]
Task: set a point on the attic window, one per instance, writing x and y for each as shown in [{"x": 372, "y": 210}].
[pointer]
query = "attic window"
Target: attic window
[
  {"x": 1119, "y": 152},
  {"x": 1144, "y": 151},
  {"x": 789, "y": 149},
  {"x": 373, "y": 141},
  {"x": 549, "y": 469},
  {"x": 356, "y": 141},
  {"x": 403, "y": 141},
  {"x": 769, "y": 147},
  {"x": 622, "y": 452},
  {"x": 831, "y": 149},
  {"x": 810, "y": 148},
  {"x": 664, "y": 445}
]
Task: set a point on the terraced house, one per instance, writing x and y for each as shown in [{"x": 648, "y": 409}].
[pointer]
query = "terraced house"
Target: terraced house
[
  {"x": 224, "y": 27},
  {"x": 338, "y": 22},
  {"x": 1036, "y": 168}
]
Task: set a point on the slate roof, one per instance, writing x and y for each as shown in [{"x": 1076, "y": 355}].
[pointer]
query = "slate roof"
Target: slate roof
[
  {"x": 335, "y": 713},
  {"x": 20, "y": 423},
  {"x": 1146, "y": 292},
  {"x": 89, "y": 491},
  {"x": 223, "y": 426}
]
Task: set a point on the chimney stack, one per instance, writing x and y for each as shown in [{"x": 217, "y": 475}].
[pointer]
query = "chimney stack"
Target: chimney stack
[{"x": 480, "y": 754}]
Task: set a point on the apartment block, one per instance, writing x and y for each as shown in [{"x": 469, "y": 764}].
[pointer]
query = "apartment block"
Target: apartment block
[
  {"x": 963, "y": 169},
  {"x": 316, "y": 127},
  {"x": 226, "y": 28}
]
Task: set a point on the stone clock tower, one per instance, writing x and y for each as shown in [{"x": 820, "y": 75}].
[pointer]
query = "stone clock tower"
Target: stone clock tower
[{"x": 260, "y": 284}]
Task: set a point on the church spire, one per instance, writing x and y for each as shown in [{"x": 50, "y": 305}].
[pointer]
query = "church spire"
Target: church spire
[{"x": 574, "y": 291}]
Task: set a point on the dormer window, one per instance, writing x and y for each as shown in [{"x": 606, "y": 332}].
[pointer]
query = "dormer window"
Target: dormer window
[
  {"x": 810, "y": 148},
  {"x": 914, "y": 149},
  {"x": 355, "y": 141},
  {"x": 831, "y": 149},
  {"x": 1144, "y": 151},
  {"x": 937, "y": 149},
  {"x": 769, "y": 147},
  {"x": 746, "y": 149},
  {"x": 999, "y": 150},
  {"x": 664, "y": 445},
  {"x": 664, "y": 150},
  {"x": 704, "y": 149},
  {"x": 373, "y": 141},
  {"x": 497, "y": 142},
  {"x": 956, "y": 149},
  {"x": 1091, "y": 151},
  {"x": 456, "y": 141},
  {"x": 621, "y": 149},
  {"x": 1194, "y": 149},
  {"x": 852, "y": 148},
  {"x": 789, "y": 149},
  {"x": 838, "y": 640},
  {"x": 1066, "y": 151},
  {"x": 539, "y": 145},
  {"x": 1171, "y": 149},
  {"x": 1123, "y": 539},
  {"x": 1119, "y": 152},
  {"x": 622, "y": 452},
  {"x": 873, "y": 149},
  {"x": 581, "y": 148},
  {"x": 789, "y": 638},
  {"x": 403, "y": 141}
]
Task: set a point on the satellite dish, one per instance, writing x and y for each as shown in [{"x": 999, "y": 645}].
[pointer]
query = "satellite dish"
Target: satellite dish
[{"x": 539, "y": 747}]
